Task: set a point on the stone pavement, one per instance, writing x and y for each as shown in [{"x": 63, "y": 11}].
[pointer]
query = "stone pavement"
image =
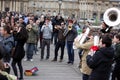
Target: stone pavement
[{"x": 49, "y": 70}]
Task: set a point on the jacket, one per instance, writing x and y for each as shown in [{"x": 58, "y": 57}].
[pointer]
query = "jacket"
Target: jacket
[
  {"x": 100, "y": 63},
  {"x": 86, "y": 48},
  {"x": 32, "y": 34}
]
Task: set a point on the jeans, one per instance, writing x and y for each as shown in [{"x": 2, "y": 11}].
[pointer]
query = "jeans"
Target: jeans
[
  {"x": 70, "y": 51},
  {"x": 30, "y": 48},
  {"x": 85, "y": 77},
  {"x": 58, "y": 45},
  {"x": 44, "y": 43}
]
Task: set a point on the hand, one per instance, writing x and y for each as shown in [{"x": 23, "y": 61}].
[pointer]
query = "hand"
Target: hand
[
  {"x": 91, "y": 52},
  {"x": 19, "y": 29}
]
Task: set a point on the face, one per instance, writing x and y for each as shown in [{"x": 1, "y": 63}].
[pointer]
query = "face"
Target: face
[
  {"x": 20, "y": 20},
  {"x": 2, "y": 31},
  {"x": 115, "y": 40},
  {"x": 101, "y": 44},
  {"x": 31, "y": 22},
  {"x": 103, "y": 25}
]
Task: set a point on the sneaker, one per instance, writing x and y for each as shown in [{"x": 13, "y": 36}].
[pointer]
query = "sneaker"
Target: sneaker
[
  {"x": 31, "y": 60},
  {"x": 25, "y": 59}
]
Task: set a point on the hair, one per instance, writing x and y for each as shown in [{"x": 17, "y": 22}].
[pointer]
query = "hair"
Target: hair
[
  {"x": 106, "y": 25},
  {"x": 106, "y": 39},
  {"x": 7, "y": 28},
  {"x": 118, "y": 36},
  {"x": 2, "y": 66}
]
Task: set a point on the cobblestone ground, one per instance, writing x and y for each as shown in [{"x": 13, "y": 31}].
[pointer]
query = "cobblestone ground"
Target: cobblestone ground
[{"x": 49, "y": 70}]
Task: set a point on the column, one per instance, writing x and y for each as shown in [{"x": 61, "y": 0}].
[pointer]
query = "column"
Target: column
[{"x": 3, "y": 5}]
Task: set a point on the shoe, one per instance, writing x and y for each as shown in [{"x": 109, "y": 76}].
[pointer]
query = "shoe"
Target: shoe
[
  {"x": 31, "y": 60},
  {"x": 60, "y": 60},
  {"x": 54, "y": 60},
  {"x": 68, "y": 62},
  {"x": 25, "y": 59}
]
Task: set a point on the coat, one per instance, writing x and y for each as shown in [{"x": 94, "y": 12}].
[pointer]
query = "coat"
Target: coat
[
  {"x": 20, "y": 39},
  {"x": 101, "y": 63},
  {"x": 86, "y": 48}
]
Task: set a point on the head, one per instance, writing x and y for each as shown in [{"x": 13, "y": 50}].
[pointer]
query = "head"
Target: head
[
  {"x": 5, "y": 30},
  {"x": 105, "y": 41},
  {"x": 62, "y": 24},
  {"x": 104, "y": 25},
  {"x": 21, "y": 20},
  {"x": 31, "y": 21},
  {"x": 116, "y": 38}
]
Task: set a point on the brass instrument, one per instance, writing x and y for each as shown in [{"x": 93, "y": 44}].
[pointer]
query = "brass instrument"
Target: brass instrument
[
  {"x": 67, "y": 29},
  {"x": 112, "y": 17}
]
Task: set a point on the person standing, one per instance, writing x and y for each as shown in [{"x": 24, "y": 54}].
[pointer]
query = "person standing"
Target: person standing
[
  {"x": 70, "y": 36},
  {"x": 31, "y": 41},
  {"x": 8, "y": 44},
  {"x": 86, "y": 71},
  {"x": 20, "y": 37},
  {"x": 100, "y": 61},
  {"x": 47, "y": 30},
  {"x": 116, "y": 71},
  {"x": 60, "y": 42}
]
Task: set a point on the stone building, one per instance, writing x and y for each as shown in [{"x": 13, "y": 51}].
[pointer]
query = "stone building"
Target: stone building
[{"x": 74, "y": 8}]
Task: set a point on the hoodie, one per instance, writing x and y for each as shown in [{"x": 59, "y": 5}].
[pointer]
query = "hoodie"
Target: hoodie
[{"x": 100, "y": 63}]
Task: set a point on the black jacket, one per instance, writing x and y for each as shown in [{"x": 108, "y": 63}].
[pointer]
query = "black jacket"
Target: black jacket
[{"x": 100, "y": 63}]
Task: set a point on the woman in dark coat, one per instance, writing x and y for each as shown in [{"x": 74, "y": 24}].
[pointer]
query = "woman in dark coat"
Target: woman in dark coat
[
  {"x": 20, "y": 37},
  {"x": 100, "y": 62}
]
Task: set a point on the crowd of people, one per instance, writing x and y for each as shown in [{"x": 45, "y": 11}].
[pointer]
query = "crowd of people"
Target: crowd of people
[{"x": 19, "y": 31}]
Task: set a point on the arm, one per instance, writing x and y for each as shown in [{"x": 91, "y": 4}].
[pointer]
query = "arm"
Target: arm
[{"x": 93, "y": 61}]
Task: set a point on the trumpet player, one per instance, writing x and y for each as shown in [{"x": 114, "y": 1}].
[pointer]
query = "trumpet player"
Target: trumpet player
[
  {"x": 70, "y": 36},
  {"x": 60, "y": 42}
]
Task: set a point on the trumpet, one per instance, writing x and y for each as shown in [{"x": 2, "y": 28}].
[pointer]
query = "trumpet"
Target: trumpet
[{"x": 67, "y": 30}]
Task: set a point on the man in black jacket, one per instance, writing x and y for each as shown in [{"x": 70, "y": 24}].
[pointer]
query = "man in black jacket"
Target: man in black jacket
[{"x": 100, "y": 62}]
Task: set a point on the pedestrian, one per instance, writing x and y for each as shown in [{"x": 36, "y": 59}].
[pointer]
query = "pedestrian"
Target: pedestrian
[
  {"x": 20, "y": 37},
  {"x": 7, "y": 44},
  {"x": 32, "y": 31},
  {"x": 47, "y": 30},
  {"x": 116, "y": 70},
  {"x": 101, "y": 61},
  {"x": 60, "y": 43},
  {"x": 86, "y": 71},
  {"x": 70, "y": 36}
]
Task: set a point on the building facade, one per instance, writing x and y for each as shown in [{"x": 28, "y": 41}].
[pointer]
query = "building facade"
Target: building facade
[{"x": 72, "y": 8}]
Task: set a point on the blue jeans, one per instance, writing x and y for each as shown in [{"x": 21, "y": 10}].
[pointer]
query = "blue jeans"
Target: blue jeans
[
  {"x": 70, "y": 51},
  {"x": 29, "y": 50}
]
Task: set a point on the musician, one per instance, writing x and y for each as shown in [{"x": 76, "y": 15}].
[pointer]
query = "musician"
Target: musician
[
  {"x": 60, "y": 42},
  {"x": 86, "y": 48},
  {"x": 70, "y": 39},
  {"x": 105, "y": 28},
  {"x": 100, "y": 62}
]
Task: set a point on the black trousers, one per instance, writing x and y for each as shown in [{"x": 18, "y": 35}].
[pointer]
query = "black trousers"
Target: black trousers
[
  {"x": 59, "y": 44},
  {"x": 19, "y": 63}
]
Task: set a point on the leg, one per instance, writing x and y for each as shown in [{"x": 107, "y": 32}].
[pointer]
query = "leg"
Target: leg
[
  {"x": 48, "y": 49},
  {"x": 56, "y": 50},
  {"x": 62, "y": 50},
  {"x": 85, "y": 77},
  {"x": 42, "y": 48},
  {"x": 20, "y": 69},
  {"x": 14, "y": 67}
]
